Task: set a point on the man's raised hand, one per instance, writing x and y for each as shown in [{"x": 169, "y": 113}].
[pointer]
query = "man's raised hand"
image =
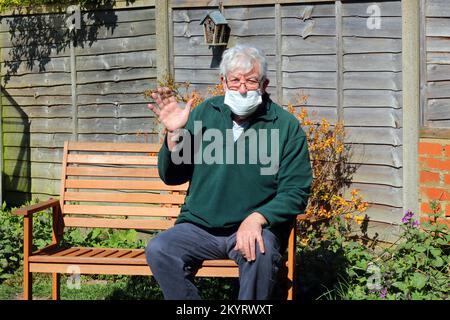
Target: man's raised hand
[{"x": 169, "y": 112}]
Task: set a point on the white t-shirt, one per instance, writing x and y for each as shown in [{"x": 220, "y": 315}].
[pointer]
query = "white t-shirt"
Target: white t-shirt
[{"x": 238, "y": 129}]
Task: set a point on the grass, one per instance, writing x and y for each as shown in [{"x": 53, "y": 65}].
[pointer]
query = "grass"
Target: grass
[
  {"x": 104, "y": 287},
  {"x": 91, "y": 288}
]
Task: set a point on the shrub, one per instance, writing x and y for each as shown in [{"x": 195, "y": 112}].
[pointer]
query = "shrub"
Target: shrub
[
  {"x": 332, "y": 175},
  {"x": 11, "y": 239},
  {"x": 415, "y": 267}
]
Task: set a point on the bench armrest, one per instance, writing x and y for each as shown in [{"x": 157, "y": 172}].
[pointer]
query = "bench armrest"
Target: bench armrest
[{"x": 29, "y": 210}]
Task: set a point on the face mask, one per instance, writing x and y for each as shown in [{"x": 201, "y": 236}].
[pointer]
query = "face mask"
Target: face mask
[{"x": 243, "y": 104}]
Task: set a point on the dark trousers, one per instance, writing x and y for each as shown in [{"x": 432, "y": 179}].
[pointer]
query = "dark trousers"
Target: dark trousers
[{"x": 174, "y": 256}]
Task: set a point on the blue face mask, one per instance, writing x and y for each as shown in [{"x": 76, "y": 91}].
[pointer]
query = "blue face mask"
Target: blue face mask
[{"x": 243, "y": 104}]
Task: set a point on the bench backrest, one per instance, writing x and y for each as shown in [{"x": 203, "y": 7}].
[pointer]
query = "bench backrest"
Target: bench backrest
[{"x": 116, "y": 185}]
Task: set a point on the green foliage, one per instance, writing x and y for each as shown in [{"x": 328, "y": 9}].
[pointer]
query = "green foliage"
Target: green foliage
[
  {"x": 11, "y": 239},
  {"x": 12, "y": 4},
  {"x": 416, "y": 267}
]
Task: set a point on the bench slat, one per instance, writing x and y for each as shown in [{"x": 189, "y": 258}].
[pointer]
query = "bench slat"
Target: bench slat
[
  {"x": 112, "y": 172},
  {"x": 112, "y": 159},
  {"x": 124, "y": 197},
  {"x": 123, "y": 185},
  {"x": 114, "y": 256},
  {"x": 113, "y": 146},
  {"x": 155, "y": 224},
  {"x": 122, "y": 210}
]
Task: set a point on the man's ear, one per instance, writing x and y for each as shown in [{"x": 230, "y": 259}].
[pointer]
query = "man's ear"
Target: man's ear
[{"x": 224, "y": 82}]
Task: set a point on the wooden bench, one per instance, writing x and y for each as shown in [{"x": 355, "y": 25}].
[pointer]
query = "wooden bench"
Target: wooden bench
[{"x": 112, "y": 185}]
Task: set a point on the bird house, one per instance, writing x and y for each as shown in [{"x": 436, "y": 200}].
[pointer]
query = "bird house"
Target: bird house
[{"x": 215, "y": 29}]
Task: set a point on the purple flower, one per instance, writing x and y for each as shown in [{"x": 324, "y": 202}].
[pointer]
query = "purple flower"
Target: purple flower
[
  {"x": 407, "y": 217},
  {"x": 383, "y": 293},
  {"x": 416, "y": 223}
]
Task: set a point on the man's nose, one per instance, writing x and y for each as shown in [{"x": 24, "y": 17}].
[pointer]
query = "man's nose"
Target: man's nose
[{"x": 242, "y": 88}]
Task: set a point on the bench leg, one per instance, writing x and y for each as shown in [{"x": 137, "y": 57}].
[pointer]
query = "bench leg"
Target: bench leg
[
  {"x": 290, "y": 295},
  {"x": 56, "y": 286},
  {"x": 27, "y": 284}
]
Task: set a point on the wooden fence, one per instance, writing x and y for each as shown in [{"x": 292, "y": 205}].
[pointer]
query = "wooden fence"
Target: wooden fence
[{"x": 347, "y": 63}]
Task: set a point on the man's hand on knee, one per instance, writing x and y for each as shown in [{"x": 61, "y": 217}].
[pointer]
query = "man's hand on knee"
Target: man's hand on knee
[{"x": 250, "y": 233}]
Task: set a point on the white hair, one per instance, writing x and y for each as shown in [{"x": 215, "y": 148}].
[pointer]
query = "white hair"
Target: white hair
[{"x": 243, "y": 57}]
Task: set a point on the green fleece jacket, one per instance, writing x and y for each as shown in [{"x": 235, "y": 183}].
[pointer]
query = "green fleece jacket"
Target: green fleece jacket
[{"x": 266, "y": 170}]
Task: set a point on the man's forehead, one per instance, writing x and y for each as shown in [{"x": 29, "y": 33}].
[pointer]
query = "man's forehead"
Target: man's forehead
[{"x": 253, "y": 72}]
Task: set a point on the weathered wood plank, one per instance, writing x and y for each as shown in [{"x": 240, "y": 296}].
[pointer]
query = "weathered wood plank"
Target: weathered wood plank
[
  {"x": 60, "y": 125},
  {"x": 36, "y": 112},
  {"x": 373, "y": 80},
  {"x": 83, "y": 77},
  {"x": 196, "y": 46},
  {"x": 320, "y": 27},
  {"x": 390, "y": 216},
  {"x": 380, "y": 194},
  {"x": 368, "y": 45},
  {"x": 380, "y": 175},
  {"x": 438, "y": 58},
  {"x": 84, "y": 99},
  {"x": 38, "y": 101},
  {"x": 296, "y": 45},
  {"x": 39, "y": 185},
  {"x": 438, "y": 109},
  {"x": 116, "y": 75},
  {"x": 142, "y": 136},
  {"x": 437, "y": 8},
  {"x": 377, "y": 155},
  {"x": 378, "y": 136},
  {"x": 112, "y": 31},
  {"x": 46, "y": 155},
  {"x": 438, "y": 44},
  {"x": 27, "y": 169},
  {"x": 260, "y": 27},
  {"x": 102, "y": 46},
  {"x": 440, "y": 89},
  {"x": 442, "y": 124},
  {"x": 387, "y": 9},
  {"x": 298, "y": 11},
  {"x": 373, "y": 117},
  {"x": 36, "y": 140},
  {"x": 121, "y": 110},
  {"x": 43, "y": 79},
  {"x": 372, "y": 98},
  {"x": 88, "y": 63},
  {"x": 309, "y": 63},
  {"x": 436, "y": 72},
  {"x": 89, "y": 18},
  {"x": 320, "y": 80},
  {"x": 315, "y": 97},
  {"x": 373, "y": 62},
  {"x": 437, "y": 27},
  {"x": 98, "y": 88},
  {"x": 117, "y": 126},
  {"x": 357, "y": 27},
  {"x": 238, "y": 13},
  {"x": 316, "y": 114}
]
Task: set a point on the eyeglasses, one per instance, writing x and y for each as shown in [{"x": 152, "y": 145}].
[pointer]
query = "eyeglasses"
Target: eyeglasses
[{"x": 235, "y": 83}]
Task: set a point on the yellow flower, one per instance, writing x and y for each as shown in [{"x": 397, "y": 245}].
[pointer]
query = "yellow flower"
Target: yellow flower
[
  {"x": 359, "y": 219},
  {"x": 304, "y": 242}
]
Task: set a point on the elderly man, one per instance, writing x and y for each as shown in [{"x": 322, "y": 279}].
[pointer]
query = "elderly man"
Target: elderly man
[{"x": 233, "y": 209}]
